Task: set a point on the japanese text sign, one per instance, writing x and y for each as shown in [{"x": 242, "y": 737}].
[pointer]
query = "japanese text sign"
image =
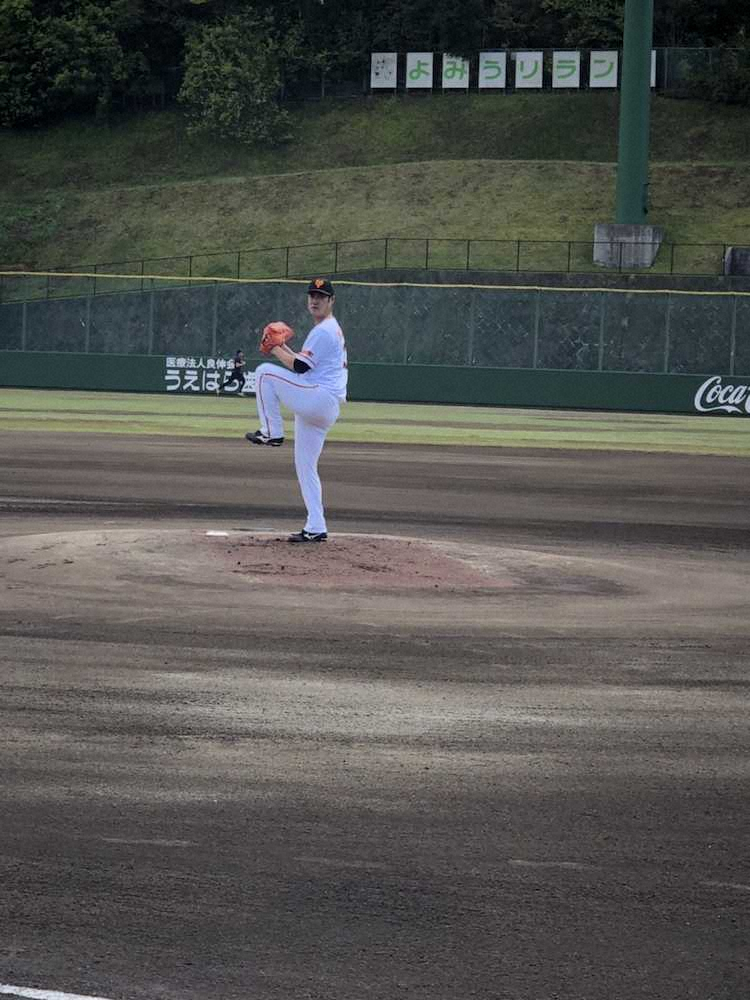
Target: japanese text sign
[
  {"x": 566, "y": 69},
  {"x": 529, "y": 70},
  {"x": 603, "y": 69},
  {"x": 455, "y": 73},
  {"x": 492, "y": 70},
  {"x": 419, "y": 70}
]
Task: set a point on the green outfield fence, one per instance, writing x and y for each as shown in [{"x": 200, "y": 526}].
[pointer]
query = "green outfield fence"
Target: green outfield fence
[
  {"x": 516, "y": 327},
  {"x": 380, "y": 254}
]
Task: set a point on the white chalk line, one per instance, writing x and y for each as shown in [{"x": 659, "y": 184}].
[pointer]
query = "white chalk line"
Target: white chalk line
[
  {"x": 740, "y": 886},
  {"x": 31, "y": 994}
]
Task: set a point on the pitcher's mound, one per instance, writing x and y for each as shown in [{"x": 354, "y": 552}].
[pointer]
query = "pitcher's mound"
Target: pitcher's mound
[{"x": 358, "y": 561}]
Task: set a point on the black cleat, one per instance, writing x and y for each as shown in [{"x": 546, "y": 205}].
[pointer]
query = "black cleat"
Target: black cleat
[
  {"x": 308, "y": 536},
  {"x": 259, "y": 438}
]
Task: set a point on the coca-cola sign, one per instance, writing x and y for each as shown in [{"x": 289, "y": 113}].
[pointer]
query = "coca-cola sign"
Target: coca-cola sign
[{"x": 714, "y": 396}]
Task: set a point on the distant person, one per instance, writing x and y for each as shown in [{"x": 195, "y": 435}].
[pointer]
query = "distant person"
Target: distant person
[
  {"x": 313, "y": 389},
  {"x": 237, "y": 374}
]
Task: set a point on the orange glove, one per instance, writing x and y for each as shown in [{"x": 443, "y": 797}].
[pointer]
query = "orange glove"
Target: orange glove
[{"x": 274, "y": 334}]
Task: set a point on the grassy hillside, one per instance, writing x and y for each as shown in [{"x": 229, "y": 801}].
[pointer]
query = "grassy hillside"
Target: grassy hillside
[{"x": 526, "y": 166}]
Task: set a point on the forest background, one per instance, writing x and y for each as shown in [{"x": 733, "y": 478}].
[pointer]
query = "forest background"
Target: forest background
[
  {"x": 229, "y": 61},
  {"x": 99, "y": 167}
]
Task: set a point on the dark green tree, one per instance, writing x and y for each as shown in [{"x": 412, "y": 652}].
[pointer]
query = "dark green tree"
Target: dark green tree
[
  {"x": 698, "y": 23},
  {"x": 20, "y": 100},
  {"x": 588, "y": 23},
  {"x": 521, "y": 23},
  {"x": 62, "y": 56},
  {"x": 676, "y": 22},
  {"x": 233, "y": 73},
  {"x": 83, "y": 55}
]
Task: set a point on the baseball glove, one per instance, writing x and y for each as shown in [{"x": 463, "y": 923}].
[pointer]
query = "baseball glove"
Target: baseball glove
[{"x": 274, "y": 334}]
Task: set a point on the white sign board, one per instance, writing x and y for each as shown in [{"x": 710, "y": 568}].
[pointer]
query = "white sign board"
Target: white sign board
[
  {"x": 566, "y": 69},
  {"x": 383, "y": 66},
  {"x": 603, "y": 69},
  {"x": 455, "y": 73},
  {"x": 419, "y": 70},
  {"x": 529, "y": 70},
  {"x": 492, "y": 69}
]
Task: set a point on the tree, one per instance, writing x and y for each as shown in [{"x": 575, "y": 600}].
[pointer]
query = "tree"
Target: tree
[
  {"x": 19, "y": 96},
  {"x": 697, "y": 23},
  {"x": 58, "y": 56},
  {"x": 676, "y": 22},
  {"x": 521, "y": 23},
  {"x": 233, "y": 77},
  {"x": 589, "y": 23},
  {"x": 83, "y": 56}
]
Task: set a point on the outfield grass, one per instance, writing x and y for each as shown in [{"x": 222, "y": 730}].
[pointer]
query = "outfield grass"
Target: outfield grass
[
  {"x": 378, "y": 423},
  {"x": 526, "y": 166}
]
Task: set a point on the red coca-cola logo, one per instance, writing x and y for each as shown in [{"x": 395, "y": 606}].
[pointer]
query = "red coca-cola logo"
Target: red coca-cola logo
[{"x": 714, "y": 396}]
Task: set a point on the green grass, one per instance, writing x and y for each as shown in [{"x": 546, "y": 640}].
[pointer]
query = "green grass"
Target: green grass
[
  {"x": 378, "y": 423},
  {"x": 481, "y": 200},
  {"x": 512, "y": 167}
]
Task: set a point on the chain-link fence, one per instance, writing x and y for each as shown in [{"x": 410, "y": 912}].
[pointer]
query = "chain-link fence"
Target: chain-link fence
[{"x": 508, "y": 327}]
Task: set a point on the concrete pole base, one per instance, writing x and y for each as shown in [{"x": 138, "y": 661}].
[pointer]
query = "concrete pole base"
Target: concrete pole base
[
  {"x": 626, "y": 247},
  {"x": 737, "y": 260}
]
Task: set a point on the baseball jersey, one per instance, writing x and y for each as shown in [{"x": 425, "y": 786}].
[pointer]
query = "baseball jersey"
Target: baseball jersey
[{"x": 324, "y": 351}]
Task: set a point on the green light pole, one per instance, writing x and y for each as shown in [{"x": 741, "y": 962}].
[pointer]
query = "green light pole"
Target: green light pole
[{"x": 635, "y": 110}]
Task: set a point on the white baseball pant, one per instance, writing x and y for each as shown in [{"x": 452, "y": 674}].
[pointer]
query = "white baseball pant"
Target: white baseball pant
[{"x": 315, "y": 411}]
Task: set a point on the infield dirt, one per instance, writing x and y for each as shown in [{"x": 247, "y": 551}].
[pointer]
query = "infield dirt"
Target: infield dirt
[{"x": 490, "y": 740}]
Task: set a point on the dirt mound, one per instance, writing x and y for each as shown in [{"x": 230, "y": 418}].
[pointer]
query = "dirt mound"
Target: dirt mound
[{"x": 349, "y": 562}]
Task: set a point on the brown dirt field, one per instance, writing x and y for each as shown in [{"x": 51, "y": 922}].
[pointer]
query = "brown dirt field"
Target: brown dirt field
[{"x": 490, "y": 740}]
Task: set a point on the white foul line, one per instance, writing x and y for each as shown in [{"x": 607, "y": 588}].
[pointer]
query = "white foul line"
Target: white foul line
[{"x": 25, "y": 991}]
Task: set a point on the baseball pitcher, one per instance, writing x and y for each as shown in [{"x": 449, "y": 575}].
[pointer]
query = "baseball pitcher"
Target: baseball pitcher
[{"x": 313, "y": 388}]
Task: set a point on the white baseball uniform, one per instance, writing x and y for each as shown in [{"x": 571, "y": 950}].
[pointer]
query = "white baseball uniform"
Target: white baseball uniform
[{"x": 314, "y": 398}]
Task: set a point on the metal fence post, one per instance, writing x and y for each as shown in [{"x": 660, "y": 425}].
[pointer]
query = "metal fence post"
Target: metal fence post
[
  {"x": 667, "y": 332},
  {"x": 151, "y": 320},
  {"x": 472, "y": 324},
  {"x": 239, "y": 263},
  {"x": 286, "y": 270},
  {"x": 215, "y": 318},
  {"x": 537, "y": 310},
  {"x": 570, "y": 249},
  {"x": 385, "y": 255},
  {"x": 468, "y": 254},
  {"x": 426, "y": 255},
  {"x": 733, "y": 336},
  {"x": 518, "y": 256},
  {"x": 336, "y": 257},
  {"x": 602, "y": 316},
  {"x": 87, "y": 339}
]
